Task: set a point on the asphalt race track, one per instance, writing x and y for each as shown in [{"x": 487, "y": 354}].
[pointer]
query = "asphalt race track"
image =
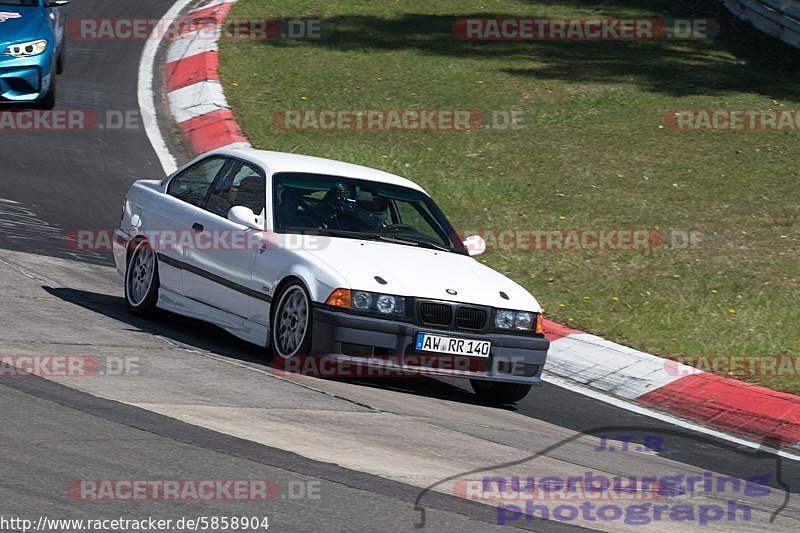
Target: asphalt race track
[{"x": 207, "y": 406}]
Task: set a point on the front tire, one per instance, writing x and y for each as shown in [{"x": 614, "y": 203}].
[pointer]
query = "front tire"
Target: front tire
[
  {"x": 292, "y": 322},
  {"x": 142, "y": 282},
  {"x": 491, "y": 392}
]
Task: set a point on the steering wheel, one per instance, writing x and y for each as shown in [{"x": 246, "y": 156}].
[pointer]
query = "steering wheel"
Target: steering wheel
[{"x": 311, "y": 211}]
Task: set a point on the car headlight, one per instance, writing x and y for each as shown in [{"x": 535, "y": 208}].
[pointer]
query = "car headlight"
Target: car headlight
[
  {"x": 31, "y": 48},
  {"x": 504, "y": 319},
  {"x": 369, "y": 302},
  {"x": 362, "y": 300},
  {"x": 523, "y": 321},
  {"x": 388, "y": 305}
]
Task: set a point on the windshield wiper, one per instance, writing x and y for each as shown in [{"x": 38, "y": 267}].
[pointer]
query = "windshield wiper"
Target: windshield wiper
[{"x": 333, "y": 232}]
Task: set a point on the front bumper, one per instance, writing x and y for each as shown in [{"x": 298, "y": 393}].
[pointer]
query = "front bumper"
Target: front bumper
[
  {"x": 357, "y": 339},
  {"x": 25, "y": 79}
]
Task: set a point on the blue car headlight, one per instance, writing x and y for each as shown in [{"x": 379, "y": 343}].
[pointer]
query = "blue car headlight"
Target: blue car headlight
[{"x": 28, "y": 49}]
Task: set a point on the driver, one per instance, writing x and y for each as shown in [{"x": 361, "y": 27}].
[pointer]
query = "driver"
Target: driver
[{"x": 339, "y": 199}]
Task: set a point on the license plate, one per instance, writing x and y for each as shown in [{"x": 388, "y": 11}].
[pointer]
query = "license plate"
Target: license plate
[{"x": 436, "y": 343}]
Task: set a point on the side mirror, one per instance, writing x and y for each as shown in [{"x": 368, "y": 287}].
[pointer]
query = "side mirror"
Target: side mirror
[
  {"x": 244, "y": 216},
  {"x": 56, "y": 3},
  {"x": 475, "y": 245}
]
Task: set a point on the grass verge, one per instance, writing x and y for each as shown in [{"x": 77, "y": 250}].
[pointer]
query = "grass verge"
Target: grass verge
[{"x": 594, "y": 153}]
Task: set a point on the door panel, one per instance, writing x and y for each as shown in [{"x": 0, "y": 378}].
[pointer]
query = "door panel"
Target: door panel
[
  {"x": 172, "y": 215},
  {"x": 221, "y": 269},
  {"x": 166, "y": 220}
]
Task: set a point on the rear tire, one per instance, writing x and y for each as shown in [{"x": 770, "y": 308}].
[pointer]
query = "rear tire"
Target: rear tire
[
  {"x": 491, "y": 392},
  {"x": 141, "y": 281}
]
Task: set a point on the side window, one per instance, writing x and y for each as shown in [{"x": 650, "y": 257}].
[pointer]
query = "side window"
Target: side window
[
  {"x": 242, "y": 185},
  {"x": 192, "y": 184}
]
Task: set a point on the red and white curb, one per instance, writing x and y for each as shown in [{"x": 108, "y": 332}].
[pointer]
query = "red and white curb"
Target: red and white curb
[
  {"x": 593, "y": 364},
  {"x": 195, "y": 95},
  {"x": 713, "y": 401}
]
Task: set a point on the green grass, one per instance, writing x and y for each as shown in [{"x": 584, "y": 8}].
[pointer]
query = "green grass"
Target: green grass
[{"x": 593, "y": 154}]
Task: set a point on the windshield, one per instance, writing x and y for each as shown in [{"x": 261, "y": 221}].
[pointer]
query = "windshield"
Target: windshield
[
  {"x": 359, "y": 209},
  {"x": 29, "y": 3}
]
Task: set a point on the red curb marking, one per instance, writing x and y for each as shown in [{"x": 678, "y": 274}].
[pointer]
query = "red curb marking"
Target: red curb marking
[
  {"x": 731, "y": 405},
  {"x": 216, "y": 14},
  {"x": 554, "y": 331},
  {"x": 192, "y": 69},
  {"x": 213, "y": 130}
]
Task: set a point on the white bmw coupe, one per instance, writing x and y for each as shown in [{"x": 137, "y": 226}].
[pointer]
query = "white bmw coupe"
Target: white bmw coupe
[{"x": 318, "y": 258}]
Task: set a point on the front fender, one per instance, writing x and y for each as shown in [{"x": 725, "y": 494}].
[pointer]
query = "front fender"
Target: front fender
[{"x": 276, "y": 264}]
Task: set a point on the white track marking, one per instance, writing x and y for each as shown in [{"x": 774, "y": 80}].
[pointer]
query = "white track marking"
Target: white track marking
[
  {"x": 664, "y": 417},
  {"x": 608, "y": 366},
  {"x": 192, "y": 44},
  {"x": 196, "y": 100},
  {"x": 147, "y": 96}
]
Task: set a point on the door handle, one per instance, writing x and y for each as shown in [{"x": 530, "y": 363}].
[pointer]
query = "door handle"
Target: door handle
[{"x": 197, "y": 227}]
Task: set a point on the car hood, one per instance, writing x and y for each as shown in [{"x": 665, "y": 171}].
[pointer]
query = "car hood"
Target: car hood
[
  {"x": 30, "y": 25},
  {"x": 420, "y": 272}
]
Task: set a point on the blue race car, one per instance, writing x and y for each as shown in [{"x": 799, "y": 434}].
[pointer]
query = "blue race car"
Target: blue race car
[{"x": 31, "y": 50}]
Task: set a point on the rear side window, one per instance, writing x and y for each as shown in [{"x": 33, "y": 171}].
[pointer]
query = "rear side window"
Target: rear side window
[
  {"x": 192, "y": 184},
  {"x": 242, "y": 185}
]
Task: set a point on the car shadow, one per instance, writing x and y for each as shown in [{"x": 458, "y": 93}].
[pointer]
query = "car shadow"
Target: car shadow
[
  {"x": 19, "y": 107},
  {"x": 203, "y": 336},
  {"x": 186, "y": 331},
  {"x": 421, "y": 386}
]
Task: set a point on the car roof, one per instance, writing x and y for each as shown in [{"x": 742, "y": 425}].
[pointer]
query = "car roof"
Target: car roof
[{"x": 276, "y": 162}]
